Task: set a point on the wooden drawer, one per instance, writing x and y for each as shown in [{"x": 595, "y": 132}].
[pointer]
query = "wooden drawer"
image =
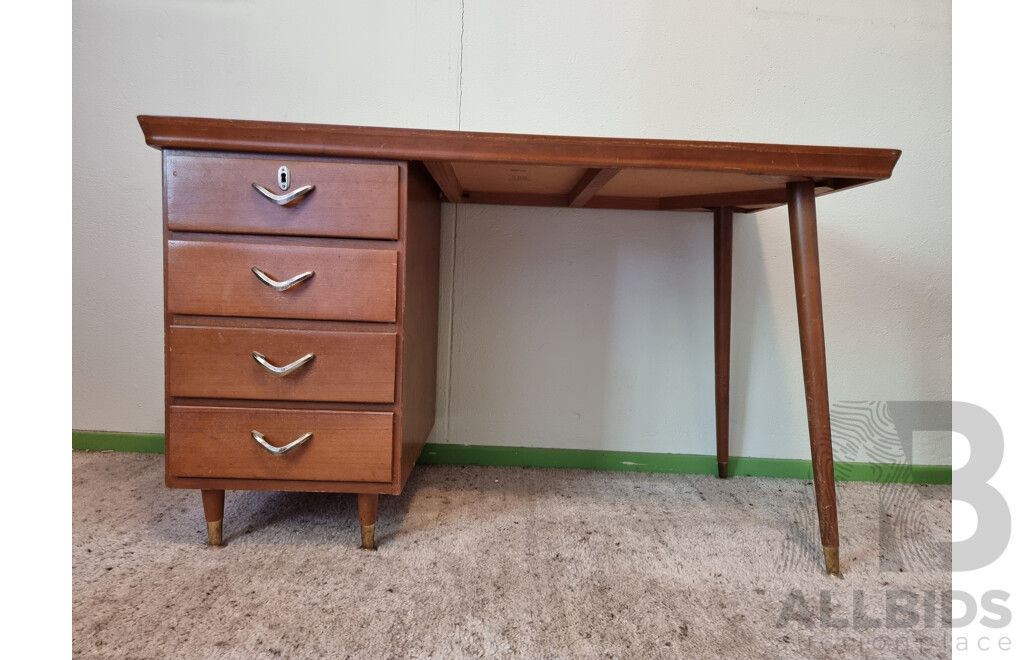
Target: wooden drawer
[
  {"x": 217, "y": 362},
  {"x": 216, "y": 278},
  {"x": 215, "y": 194},
  {"x": 218, "y": 442}
]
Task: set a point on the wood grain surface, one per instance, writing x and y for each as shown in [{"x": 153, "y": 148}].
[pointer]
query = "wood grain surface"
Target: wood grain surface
[
  {"x": 209, "y": 193},
  {"x": 216, "y": 278},
  {"x": 217, "y": 362},
  {"x": 350, "y": 446}
]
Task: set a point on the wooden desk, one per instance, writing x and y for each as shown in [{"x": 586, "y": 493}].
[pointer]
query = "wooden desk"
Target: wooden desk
[{"x": 368, "y": 314}]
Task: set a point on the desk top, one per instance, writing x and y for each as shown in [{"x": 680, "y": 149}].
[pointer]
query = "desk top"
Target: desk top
[{"x": 559, "y": 171}]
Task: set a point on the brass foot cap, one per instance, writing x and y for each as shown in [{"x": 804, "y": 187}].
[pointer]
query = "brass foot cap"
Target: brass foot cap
[
  {"x": 832, "y": 561},
  {"x": 723, "y": 470},
  {"x": 214, "y": 530},
  {"x": 368, "y": 543}
]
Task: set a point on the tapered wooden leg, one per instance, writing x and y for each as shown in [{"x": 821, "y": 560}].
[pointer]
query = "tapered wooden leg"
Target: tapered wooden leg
[
  {"x": 723, "y": 327},
  {"x": 803, "y": 229},
  {"x": 213, "y": 507},
  {"x": 368, "y": 518}
]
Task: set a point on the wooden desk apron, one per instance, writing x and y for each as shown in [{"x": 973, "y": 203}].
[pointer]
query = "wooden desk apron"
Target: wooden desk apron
[{"x": 301, "y": 271}]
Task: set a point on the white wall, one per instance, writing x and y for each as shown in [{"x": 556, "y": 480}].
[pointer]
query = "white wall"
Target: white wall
[{"x": 559, "y": 328}]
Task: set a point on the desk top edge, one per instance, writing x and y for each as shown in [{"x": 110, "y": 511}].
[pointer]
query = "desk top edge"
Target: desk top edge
[{"x": 427, "y": 145}]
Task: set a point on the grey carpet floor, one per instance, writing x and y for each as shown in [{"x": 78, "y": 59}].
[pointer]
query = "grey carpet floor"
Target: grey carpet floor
[{"x": 507, "y": 563}]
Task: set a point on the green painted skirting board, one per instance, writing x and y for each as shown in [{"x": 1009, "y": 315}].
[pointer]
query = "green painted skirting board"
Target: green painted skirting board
[
  {"x": 676, "y": 463},
  {"x": 623, "y": 461},
  {"x": 145, "y": 443}
]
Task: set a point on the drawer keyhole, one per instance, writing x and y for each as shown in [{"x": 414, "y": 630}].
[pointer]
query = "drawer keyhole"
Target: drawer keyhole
[{"x": 284, "y": 177}]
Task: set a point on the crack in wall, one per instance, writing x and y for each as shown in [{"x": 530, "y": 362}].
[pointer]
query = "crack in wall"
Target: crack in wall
[
  {"x": 454, "y": 243},
  {"x": 462, "y": 48}
]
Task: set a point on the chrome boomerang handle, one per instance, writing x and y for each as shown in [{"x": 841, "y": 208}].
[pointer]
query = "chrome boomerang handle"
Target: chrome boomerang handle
[
  {"x": 278, "y": 451},
  {"x": 287, "y": 198},
  {"x": 286, "y": 284},
  {"x": 285, "y": 370}
]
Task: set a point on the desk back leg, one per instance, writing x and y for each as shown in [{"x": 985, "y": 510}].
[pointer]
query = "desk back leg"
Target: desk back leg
[
  {"x": 723, "y": 327},
  {"x": 803, "y": 229}
]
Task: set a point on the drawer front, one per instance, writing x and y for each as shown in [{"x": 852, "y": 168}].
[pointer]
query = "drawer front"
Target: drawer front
[
  {"x": 206, "y": 193},
  {"x": 218, "y": 442},
  {"x": 217, "y": 362},
  {"x": 217, "y": 278}
]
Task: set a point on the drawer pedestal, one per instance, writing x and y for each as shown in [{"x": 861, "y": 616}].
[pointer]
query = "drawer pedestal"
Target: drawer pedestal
[{"x": 300, "y": 337}]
